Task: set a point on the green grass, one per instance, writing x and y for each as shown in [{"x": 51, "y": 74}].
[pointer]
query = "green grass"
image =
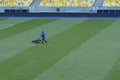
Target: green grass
[
  {"x": 19, "y": 28},
  {"x": 114, "y": 73},
  {"x": 30, "y": 63},
  {"x": 98, "y": 59},
  {"x": 90, "y": 61},
  {"x": 6, "y": 23},
  {"x": 1, "y": 19},
  {"x": 21, "y": 42}
]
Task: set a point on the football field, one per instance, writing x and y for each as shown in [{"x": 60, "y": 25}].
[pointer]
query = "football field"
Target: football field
[{"x": 77, "y": 49}]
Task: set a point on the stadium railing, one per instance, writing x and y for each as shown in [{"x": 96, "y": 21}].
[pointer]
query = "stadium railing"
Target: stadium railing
[{"x": 60, "y": 9}]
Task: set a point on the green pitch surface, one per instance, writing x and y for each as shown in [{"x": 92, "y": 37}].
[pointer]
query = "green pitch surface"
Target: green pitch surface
[{"x": 77, "y": 49}]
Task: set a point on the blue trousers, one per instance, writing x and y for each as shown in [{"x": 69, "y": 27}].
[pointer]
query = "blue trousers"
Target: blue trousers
[{"x": 43, "y": 40}]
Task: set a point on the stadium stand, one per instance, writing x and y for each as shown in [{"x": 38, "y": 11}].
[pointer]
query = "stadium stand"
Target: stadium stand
[
  {"x": 111, "y": 3},
  {"x": 98, "y": 3},
  {"x": 59, "y": 8},
  {"x": 67, "y": 3},
  {"x": 35, "y": 3},
  {"x": 13, "y": 3}
]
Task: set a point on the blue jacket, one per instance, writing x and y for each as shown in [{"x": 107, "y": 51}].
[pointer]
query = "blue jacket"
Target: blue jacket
[{"x": 43, "y": 34}]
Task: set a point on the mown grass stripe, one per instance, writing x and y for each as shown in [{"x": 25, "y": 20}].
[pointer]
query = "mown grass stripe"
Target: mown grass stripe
[
  {"x": 20, "y": 42},
  {"x": 114, "y": 73},
  {"x": 1, "y": 19},
  {"x": 91, "y": 61},
  {"x": 19, "y": 28},
  {"x": 30, "y": 63},
  {"x": 11, "y": 22}
]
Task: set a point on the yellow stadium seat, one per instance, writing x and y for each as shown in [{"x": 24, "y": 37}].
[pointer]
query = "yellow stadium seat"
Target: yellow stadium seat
[
  {"x": 74, "y": 3},
  {"x": 111, "y": 3},
  {"x": 10, "y": 3}
]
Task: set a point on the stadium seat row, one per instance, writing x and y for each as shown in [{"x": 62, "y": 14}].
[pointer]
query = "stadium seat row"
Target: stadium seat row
[
  {"x": 64, "y": 3},
  {"x": 15, "y": 2},
  {"x": 52, "y": 3},
  {"x": 109, "y": 3}
]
